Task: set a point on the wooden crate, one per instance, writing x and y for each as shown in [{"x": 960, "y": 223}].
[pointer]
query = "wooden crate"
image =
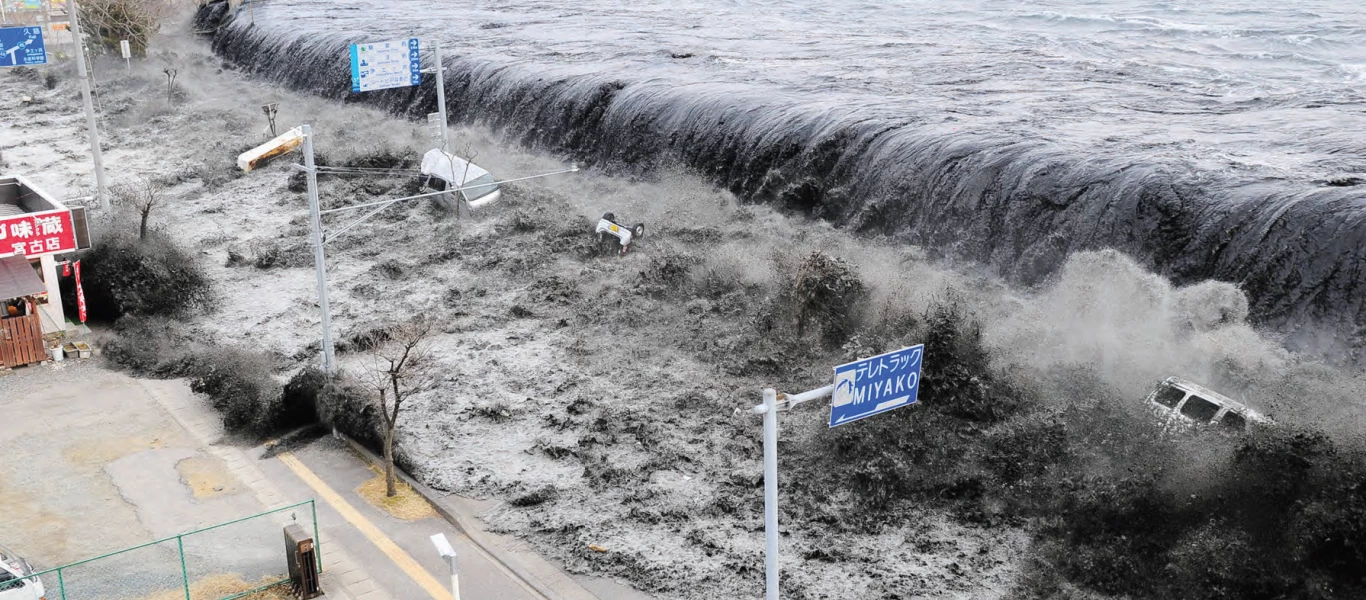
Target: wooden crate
[{"x": 21, "y": 341}]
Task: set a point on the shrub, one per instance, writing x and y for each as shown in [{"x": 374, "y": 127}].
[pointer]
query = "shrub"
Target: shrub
[
  {"x": 149, "y": 346},
  {"x": 126, "y": 276},
  {"x": 242, "y": 387},
  {"x": 825, "y": 291},
  {"x": 349, "y": 406},
  {"x": 300, "y": 398}
]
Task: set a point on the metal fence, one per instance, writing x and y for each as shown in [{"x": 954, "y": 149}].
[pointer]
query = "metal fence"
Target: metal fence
[{"x": 221, "y": 562}]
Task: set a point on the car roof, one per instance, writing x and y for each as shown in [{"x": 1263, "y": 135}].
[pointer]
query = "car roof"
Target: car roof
[
  {"x": 446, "y": 166},
  {"x": 1204, "y": 392}
]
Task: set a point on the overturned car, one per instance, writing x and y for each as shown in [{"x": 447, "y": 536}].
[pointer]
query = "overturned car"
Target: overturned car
[{"x": 1182, "y": 404}]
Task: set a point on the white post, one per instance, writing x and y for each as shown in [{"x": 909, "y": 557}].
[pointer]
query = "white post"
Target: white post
[
  {"x": 444, "y": 548},
  {"x": 102, "y": 187},
  {"x": 319, "y": 260},
  {"x": 455, "y": 579},
  {"x": 441, "y": 94},
  {"x": 771, "y": 493}
]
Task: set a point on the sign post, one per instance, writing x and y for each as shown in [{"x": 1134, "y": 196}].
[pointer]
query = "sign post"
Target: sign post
[
  {"x": 862, "y": 389},
  {"x": 441, "y": 96},
  {"x": 127, "y": 52}
]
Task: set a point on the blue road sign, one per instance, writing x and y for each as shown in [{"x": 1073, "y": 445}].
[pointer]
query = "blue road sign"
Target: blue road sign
[
  {"x": 384, "y": 65},
  {"x": 22, "y": 46},
  {"x": 876, "y": 385}
]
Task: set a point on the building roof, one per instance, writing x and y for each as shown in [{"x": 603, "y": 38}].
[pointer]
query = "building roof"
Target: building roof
[{"x": 18, "y": 279}]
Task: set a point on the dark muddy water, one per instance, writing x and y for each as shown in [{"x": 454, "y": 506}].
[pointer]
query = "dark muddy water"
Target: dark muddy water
[{"x": 1211, "y": 139}]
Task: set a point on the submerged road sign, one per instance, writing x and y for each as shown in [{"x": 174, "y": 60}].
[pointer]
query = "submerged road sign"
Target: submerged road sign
[
  {"x": 22, "y": 46},
  {"x": 384, "y": 65},
  {"x": 876, "y": 385}
]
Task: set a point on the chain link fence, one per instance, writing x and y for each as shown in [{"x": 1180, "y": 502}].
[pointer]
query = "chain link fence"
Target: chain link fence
[{"x": 237, "y": 559}]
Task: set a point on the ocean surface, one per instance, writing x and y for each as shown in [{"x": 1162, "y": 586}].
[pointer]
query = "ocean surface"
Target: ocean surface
[{"x": 1210, "y": 139}]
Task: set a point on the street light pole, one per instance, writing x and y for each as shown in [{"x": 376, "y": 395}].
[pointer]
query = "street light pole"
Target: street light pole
[
  {"x": 329, "y": 359},
  {"x": 101, "y": 184},
  {"x": 443, "y": 547}
]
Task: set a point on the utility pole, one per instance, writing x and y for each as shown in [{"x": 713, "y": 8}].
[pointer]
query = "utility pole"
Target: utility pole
[
  {"x": 251, "y": 10},
  {"x": 441, "y": 96},
  {"x": 102, "y": 185},
  {"x": 315, "y": 220}
]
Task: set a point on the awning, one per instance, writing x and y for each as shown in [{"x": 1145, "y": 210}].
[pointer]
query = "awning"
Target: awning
[{"x": 18, "y": 279}]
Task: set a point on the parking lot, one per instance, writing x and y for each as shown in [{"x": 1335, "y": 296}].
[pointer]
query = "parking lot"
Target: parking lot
[{"x": 92, "y": 464}]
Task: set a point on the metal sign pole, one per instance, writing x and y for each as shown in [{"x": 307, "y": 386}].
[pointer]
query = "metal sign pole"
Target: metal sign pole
[
  {"x": 769, "y": 409},
  {"x": 771, "y": 493},
  {"x": 319, "y": 260},
  {"x": 102, "y": 186},
  {"x": 441, "y": 95}
]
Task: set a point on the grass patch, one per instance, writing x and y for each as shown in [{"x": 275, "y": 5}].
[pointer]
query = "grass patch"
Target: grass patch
[
  {"x": 407, "y": 505},
  {"x": 216, "y": 587}
]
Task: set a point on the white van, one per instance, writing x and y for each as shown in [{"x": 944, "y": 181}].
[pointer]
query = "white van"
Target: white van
[
  {"x": 1183, "y": 404},
  {"x": 442, "y": 171},
  {"x": 14, "y": 581}
]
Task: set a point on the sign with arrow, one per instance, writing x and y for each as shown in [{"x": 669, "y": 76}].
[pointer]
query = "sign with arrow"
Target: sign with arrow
[
  {"x": 876, "y": 385},
  {"x": 22, "y": 46},
  {"x": 384, "y": 65}
]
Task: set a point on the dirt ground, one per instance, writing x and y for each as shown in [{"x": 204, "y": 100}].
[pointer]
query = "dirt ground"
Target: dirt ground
[{"x": 601, "y": 397}]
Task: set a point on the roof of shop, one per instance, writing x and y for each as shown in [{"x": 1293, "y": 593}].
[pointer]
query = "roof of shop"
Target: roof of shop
[{"x": 18, "y": 279}]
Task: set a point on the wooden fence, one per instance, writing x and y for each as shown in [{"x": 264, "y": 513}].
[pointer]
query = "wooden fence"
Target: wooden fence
[{"x": 21, "y": 341}]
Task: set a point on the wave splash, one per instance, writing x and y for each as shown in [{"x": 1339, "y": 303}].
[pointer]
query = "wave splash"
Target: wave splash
[{"x": 1296, "y": 248}]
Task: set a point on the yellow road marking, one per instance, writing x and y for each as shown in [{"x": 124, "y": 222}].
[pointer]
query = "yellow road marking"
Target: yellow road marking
[{"x": 402, "y": 559}]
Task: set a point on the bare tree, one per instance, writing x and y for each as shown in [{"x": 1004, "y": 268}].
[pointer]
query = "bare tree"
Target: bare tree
[
  {"x": 170, "y": 84},
  {"x": 109, "y": 21},
  {"x": 142, "y": 195},
  {"x": 401, "y": 369}
]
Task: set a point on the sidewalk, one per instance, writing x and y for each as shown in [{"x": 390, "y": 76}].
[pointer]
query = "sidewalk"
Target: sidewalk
[
  {"x": 368, "y": 553},
  {"x": 343, "y": 578}
]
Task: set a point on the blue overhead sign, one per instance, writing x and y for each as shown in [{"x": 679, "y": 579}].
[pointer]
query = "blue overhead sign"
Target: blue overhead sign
[
  {"x": 876, "y": 385},
  {"x": 384, "y": 65},
  {"x": 22, "y": 46}
]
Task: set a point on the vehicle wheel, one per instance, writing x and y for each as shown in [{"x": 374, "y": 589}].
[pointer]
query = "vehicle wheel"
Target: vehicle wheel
[
  {"x": 610, "y": 217},
  {"x": 638, "y": 231}
]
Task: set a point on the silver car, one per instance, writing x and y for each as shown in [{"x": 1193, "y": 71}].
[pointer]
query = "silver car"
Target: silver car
[{"x": 1183, "y": 404}]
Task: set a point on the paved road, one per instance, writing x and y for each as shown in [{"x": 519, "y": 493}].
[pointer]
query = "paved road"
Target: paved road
[{"x": 344, "y": 472}]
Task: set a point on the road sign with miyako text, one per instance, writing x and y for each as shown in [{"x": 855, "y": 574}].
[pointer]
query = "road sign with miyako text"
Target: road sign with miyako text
[{"x": 876, "y": 385}]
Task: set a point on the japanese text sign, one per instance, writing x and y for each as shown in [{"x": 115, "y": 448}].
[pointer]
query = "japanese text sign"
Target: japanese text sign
[
  {"x": 876, "y": 385},
  {"x": 36, "y": 234}
]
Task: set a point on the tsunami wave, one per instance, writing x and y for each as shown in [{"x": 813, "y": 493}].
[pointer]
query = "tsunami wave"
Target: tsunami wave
[{"x": 1017, "y": 203}]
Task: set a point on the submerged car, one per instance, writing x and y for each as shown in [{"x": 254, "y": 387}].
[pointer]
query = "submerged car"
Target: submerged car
[
  {"x": 15, "y": 580},
  {"x": 1183, "y": 404},
  {"x": 443, "y": 171}
]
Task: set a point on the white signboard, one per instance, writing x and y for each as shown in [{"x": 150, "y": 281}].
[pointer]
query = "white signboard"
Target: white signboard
[
  {"x": 125, "y": 49},
  {"x": 384, "y": 65}
]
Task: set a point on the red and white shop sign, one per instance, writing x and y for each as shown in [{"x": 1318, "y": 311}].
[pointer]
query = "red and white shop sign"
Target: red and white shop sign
[{"x": 36, "y": 234}]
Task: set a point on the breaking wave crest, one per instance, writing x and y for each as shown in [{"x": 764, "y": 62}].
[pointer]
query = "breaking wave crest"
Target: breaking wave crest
[{"x": 1020, "y": 204}]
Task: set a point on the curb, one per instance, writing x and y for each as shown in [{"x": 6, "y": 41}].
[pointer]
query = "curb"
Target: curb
[{"x": 468, "y": 524}]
